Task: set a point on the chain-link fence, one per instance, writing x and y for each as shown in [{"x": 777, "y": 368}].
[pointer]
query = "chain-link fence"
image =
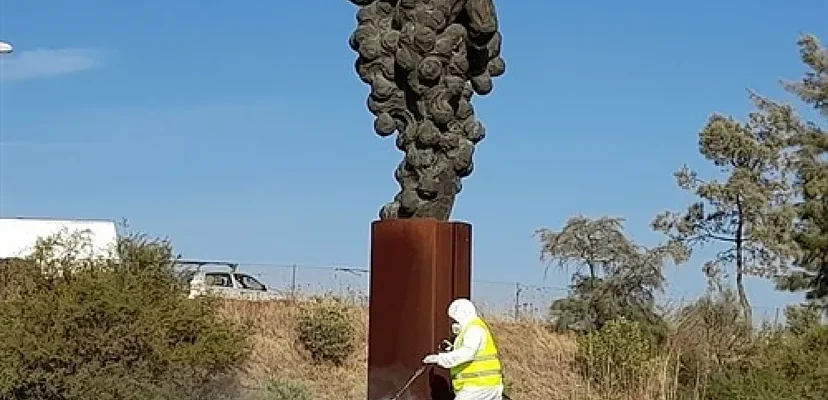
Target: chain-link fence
[
  {"x": 505, "y": 299},
  {"x": 510, "y": 300}
]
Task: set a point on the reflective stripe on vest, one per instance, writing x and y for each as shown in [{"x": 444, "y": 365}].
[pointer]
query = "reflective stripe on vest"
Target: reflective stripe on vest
[{"x": 485, "y": 369}]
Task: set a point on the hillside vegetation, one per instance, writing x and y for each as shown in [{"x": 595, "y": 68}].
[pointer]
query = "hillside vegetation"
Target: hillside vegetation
[{"x": 704, "y": 355}]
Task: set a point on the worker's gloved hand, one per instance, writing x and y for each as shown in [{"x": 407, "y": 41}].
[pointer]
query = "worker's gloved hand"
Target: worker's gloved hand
[{"x": 431, "y": 359}]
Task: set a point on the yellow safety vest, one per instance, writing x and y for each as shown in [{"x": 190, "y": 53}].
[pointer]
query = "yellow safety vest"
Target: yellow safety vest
[{"x": 482, "y": 371}]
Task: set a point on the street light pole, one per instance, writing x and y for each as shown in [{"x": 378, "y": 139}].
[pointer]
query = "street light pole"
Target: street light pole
[{"x": 5, "y": 48}]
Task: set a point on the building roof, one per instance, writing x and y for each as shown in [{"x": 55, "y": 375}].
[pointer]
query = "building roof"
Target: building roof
[{"x": 18, "y": 236}]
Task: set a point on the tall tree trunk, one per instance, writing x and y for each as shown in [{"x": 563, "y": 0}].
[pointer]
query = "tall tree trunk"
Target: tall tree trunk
[
  {"x": 592, "y": 312},
  {"x": 740, "y": 267},
  {"x": 593, "y": 274},
  {"x": 740, "y": 289}
]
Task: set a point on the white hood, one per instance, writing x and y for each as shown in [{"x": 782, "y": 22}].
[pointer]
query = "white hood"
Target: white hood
[{"x": 462, "y": 311}]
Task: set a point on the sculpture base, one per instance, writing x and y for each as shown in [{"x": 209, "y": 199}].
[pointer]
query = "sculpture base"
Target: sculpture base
[{"x": 418, "y": 266}]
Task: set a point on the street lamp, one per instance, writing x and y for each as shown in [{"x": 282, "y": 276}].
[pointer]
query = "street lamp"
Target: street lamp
[{"x": 6, "y": 48}]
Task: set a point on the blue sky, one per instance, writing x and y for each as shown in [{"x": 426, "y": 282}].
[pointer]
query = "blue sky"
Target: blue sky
[{"x": 240, "y": 131}]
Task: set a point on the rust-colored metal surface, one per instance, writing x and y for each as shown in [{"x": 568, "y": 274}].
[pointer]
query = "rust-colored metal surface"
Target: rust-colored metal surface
[{"x": 418, "y": 266}]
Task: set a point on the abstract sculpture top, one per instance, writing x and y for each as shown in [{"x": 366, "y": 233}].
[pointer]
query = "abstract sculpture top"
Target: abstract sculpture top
[{"x": 424, "y": 59}]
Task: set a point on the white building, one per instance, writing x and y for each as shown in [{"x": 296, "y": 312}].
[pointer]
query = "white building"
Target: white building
[{"x": 18, "y": 236}]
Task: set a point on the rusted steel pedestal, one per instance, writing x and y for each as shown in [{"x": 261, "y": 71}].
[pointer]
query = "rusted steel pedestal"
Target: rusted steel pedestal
[{"x": 418, "y": 266}]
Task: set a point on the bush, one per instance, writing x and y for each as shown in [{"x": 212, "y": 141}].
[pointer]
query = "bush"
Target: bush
[
  {"x": 592, "y": 303},
  {"x": 104, "y": 329},
  {"x": 280, "y": 389},
  {"x": 802, "y": 318},
  {"x": 708, "y": 334},
  {"x": 780, "y": 365},
  {"x": 326, "y": 331},
  {"x": 723, "y": 357},
  {"x": 616, "y": 355}
]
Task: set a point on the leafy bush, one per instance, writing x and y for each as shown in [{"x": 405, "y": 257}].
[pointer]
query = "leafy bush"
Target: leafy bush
[
  {"x": 616, "y": 355},
  {"x": 592, "y": 303},
  {"x": 723, "y": 357},
  {"x": 280, "y": 389},
  {"x": 779, "y": 366},
  {"x": 802, "y": 318},
  {"x": 707, "y": 335},
  {"x": 327, "y": 331},
  {"x": 75, "y": 328}
]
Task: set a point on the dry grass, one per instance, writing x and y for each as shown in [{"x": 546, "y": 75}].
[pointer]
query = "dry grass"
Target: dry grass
[
  {"x": 538, "y": 363},
  {"x": 275, "y": 352}
]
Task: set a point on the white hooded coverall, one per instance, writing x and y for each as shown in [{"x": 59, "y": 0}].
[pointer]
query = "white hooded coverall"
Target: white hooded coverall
[{"x": 463, "y": 312}]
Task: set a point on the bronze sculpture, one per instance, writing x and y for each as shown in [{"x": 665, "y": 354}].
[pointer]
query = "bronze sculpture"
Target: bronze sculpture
[{"x": 424, "y": 60}]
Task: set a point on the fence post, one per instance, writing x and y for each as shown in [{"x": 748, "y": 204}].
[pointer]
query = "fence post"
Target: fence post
[
  {"x": 517, "y": 301},
  {"x": 293, "y": 284}
]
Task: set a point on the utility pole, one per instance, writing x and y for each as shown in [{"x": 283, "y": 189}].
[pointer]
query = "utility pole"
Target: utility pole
[
  {"x": 5, "y": 48},
  {"x": 293, "y": 284}
]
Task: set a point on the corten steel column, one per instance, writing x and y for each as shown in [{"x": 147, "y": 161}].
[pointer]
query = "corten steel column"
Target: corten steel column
[{"x": 418, "y": 266}]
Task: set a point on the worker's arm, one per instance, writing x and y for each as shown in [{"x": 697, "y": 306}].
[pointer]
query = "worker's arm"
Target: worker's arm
[{"x": 472, "y": 341}]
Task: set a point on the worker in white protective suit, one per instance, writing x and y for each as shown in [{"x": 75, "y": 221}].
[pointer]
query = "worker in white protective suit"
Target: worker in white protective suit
[{"x": 473, "y": 359}]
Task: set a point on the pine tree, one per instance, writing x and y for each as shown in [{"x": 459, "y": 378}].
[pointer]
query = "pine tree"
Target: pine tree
[
  {"x": 748, "y": 212},
  {"x": 810, "y": 147}
]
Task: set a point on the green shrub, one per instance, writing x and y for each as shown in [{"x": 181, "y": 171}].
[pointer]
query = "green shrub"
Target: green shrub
[
  {"x": 80, "y": 329},
  {"x": 802, "y": 318},
  {"x": 281, "y": 389},
  {"x": 593, "y": 302},
  {"x": 326, "y": 331},
  {"x": 616, "y": 356},
  {"x": 779, "y": 366},
  {"x": 707, "y": 334}
]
